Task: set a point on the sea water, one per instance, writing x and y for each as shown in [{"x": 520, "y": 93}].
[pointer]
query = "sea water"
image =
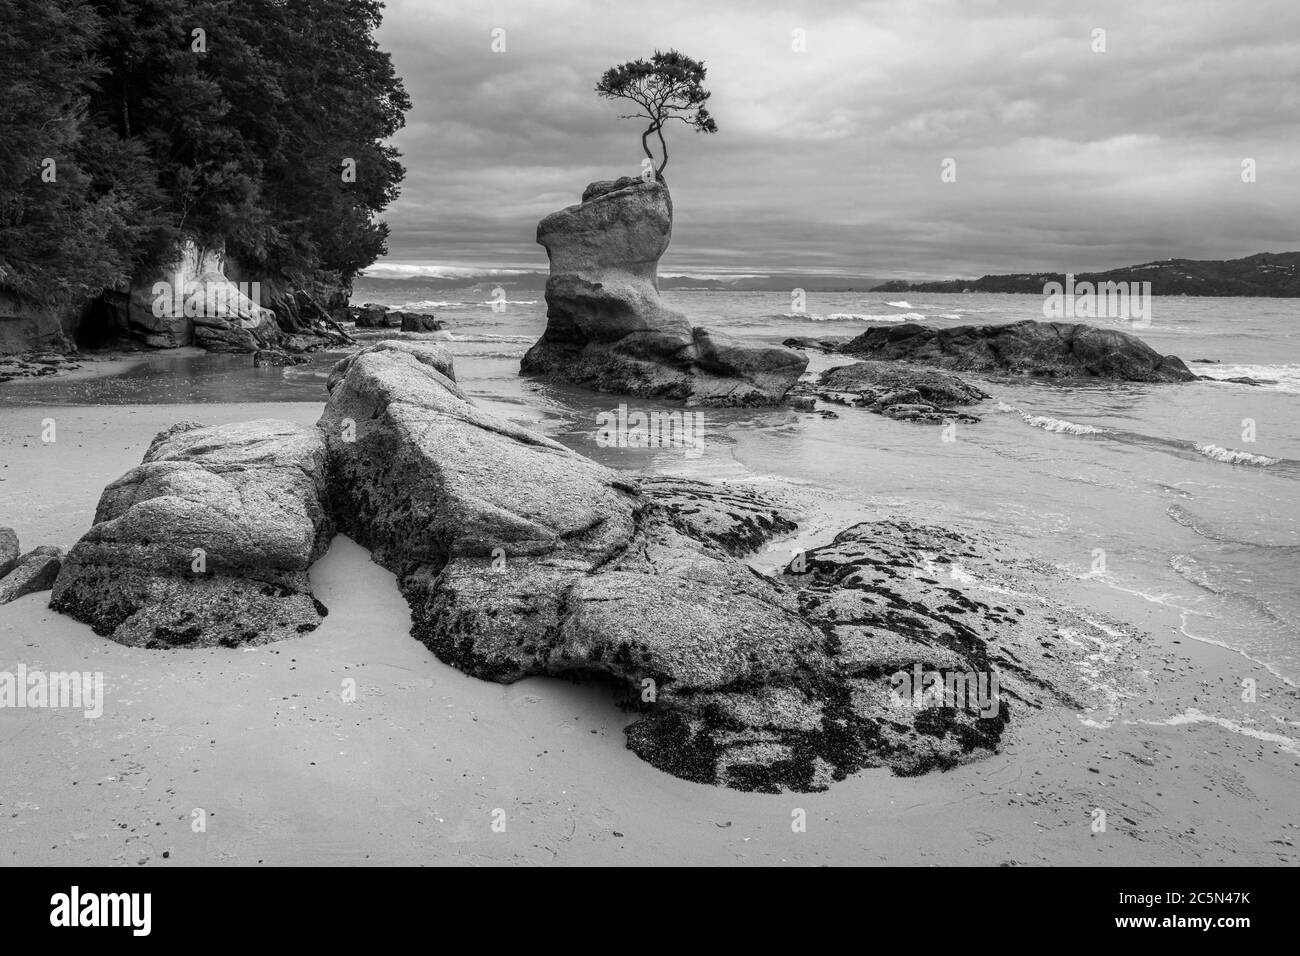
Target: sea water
[{"x": 1186, "y": 495}]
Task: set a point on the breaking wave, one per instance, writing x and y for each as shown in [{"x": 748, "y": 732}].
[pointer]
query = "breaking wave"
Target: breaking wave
[
  {"x": 846, "y": 317},
  {"x": 1232, "y": 456},
  {"x": 450, "y": 304},
  {"x": 1059, "y": 425}
]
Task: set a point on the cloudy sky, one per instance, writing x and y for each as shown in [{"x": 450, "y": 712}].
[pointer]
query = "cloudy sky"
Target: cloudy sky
[{"x": 829, "y": 160}]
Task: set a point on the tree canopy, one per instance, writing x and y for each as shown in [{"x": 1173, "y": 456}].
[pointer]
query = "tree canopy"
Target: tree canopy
[
  {"x": 218, "y": 120},
  {"x": 668, "y": 86}
]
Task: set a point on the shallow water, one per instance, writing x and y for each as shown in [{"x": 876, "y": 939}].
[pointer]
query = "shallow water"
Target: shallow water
[{"x": 1153, "y": 489}]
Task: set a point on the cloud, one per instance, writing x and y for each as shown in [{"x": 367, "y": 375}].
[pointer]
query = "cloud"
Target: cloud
[{"x": 831, "y": 158}]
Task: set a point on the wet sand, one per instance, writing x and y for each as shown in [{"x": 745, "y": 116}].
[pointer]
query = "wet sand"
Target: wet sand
[{"x": 414, "y": 769}]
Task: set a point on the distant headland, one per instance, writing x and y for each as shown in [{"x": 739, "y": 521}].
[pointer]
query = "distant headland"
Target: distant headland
[{"x": 1265, "y": 274}]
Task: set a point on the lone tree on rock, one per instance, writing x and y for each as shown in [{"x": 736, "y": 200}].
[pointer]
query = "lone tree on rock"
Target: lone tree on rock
[{"x": 668, "y": 87}]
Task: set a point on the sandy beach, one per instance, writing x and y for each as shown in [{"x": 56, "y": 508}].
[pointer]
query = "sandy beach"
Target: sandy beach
[{"x": 416, "y": 768}]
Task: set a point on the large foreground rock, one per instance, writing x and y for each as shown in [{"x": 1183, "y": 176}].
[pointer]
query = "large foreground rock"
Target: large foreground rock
[
  {"x": 207, "y": 542},
  {"x": 520, "y": 557},
  {"x": 1046, "y": 349},
  {"x": 606, "y": 326}
]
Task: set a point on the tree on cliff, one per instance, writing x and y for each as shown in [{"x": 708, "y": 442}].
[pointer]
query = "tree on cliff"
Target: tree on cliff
[{"x": 670, "y": 86}]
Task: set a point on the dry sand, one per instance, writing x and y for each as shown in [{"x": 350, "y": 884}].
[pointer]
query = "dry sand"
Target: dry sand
[{"x": 412, "y": 771}]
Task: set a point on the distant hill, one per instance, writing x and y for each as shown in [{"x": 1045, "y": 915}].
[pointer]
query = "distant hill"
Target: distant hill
[
  {"x": 522, "y": 280},
  {"x": 1274, "y": 274}
]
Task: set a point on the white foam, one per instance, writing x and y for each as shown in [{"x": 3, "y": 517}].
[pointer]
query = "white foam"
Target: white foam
[
  {"x": 1097, "y": 655},
  {"x": 454, "y": 304},
  {"x": 852, "y": 317},
  {"x": 1232, "y": 456},
  {"x": 1194, "y": 716},
  {"x": 1060, "y": 425},
  {"x": 904, "y": 304},
  {"x": 437, "y": 271},
  {"x": 1182, "y": 627}
]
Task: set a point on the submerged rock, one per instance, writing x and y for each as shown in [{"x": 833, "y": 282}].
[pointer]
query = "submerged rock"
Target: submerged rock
[
  {"x": 1239, "y": 380},
  {"x": 38, "y": 364},
  {"x": 1044, "y": 349},
  {"x": 825, "y": 343},
  {"x": 884, "y": 383},
  {"x": 274, "y": 357},
  {"x": 899, "y": 391},
  {"x": 32, "y": 572},
  {"x": 606, "y": 325},
  {"x": 208, "y": 541}
]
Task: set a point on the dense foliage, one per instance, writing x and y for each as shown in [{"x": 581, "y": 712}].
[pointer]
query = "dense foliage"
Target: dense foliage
[
  {"x": 223, "y": 120},
  {"x": 669, "y": 86}
]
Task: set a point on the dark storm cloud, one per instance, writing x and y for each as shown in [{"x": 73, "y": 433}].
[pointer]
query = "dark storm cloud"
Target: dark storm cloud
[{"x": 830, "y": 159}]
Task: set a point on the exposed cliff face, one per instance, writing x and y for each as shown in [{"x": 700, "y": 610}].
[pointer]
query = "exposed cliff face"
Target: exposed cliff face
[
  {"x": 190, "y": 301},
  {"x": 201, "y": 297},
  {"x": 606, "y": 325},
  {"x": 25, "y": 324}
]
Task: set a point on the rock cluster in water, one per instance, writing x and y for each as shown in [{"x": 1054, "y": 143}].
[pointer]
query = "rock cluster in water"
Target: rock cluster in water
[
  {"x": 374, "y": 316},
  {"x": 520, "y": 557},
  {"x": 607, "y": 328},
  {"x": 906, "y": 371},
  {"x": 1040, "y": 349},
  {"x": 899, "y": 391}
]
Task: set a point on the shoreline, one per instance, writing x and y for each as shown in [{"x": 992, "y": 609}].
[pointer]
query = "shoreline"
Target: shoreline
[
  {"x": 102, "y": 364},
  {"x": 245, "y": 750}
]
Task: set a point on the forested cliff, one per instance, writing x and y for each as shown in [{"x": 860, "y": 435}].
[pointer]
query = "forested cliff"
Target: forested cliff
[{"x": 132, "y": 131}]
